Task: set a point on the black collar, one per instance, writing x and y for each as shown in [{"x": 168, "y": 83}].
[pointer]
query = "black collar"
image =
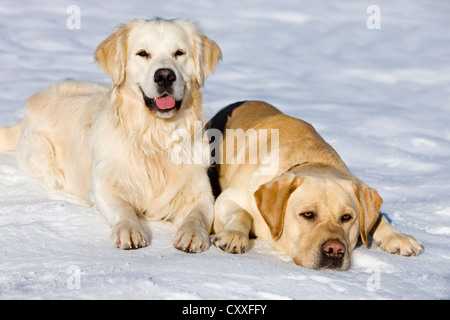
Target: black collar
[{"x": 297, "y": 165}]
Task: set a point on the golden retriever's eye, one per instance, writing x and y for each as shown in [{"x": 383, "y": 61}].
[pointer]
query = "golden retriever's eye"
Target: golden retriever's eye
[
  {"x": 143, "y": 53},
  {"x": 346, "y": 217},
  {"x": 308, "y": 215},
  {"x": 179, "y": 53}
]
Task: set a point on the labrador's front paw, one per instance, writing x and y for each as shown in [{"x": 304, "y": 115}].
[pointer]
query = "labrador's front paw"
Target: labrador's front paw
[
  {"x": 231, "y": 241},
  {"x": 401, "y": 244}
]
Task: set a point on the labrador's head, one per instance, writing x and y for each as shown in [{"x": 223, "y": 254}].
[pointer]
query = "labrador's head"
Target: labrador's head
[
  {"x": 316, "y": 215},
  {"x": 159, "y": 61}
]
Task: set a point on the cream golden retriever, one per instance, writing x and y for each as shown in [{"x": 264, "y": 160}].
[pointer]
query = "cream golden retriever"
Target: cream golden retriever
[
  {"x": 110, "y": 145},
  {"x": 307, "y": 204}
]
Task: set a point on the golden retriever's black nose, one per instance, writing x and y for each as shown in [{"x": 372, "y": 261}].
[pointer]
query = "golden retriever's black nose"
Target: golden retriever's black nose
[
  {"x": 333, "y": 249},
  {"x": 164, "y": 78}
]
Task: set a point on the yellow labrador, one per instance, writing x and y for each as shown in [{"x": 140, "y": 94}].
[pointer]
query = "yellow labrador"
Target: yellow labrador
[
  {"x": 110, "y": 145},
  {"x": 308, "y": 205}
]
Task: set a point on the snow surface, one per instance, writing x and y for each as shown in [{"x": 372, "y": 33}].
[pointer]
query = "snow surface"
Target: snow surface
[{"x": 380, "y": 97}]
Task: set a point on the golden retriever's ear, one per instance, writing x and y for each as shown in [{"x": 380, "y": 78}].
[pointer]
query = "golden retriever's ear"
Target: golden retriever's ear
[
  {"x": 271, "y": 199},
  {"x": 207, "y": 58},
  {"x": 111, "y": 54},
  {"x": 369, "y": 209}
]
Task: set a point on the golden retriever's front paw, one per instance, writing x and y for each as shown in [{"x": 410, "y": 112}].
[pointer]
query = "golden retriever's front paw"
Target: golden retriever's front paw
[
  {"x": 401, "y": 244},
  {"x": 192, "y": 240},
  {"x": 129, "y": 236},
  {"x": 231, "y": 241}
]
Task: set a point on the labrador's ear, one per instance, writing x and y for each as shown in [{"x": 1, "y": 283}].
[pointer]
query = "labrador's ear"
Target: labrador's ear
[
  {"x": 111, "y": 54},
  {"x": 271, "y": 199},
  {"x": 369, "y": 204},
  {"x": 208, "y": 55}
]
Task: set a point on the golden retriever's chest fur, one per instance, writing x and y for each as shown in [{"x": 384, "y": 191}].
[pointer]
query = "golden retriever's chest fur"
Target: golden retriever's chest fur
[
  {"x": 158, "y": 194},
  {"x": 151, "y": 192}
]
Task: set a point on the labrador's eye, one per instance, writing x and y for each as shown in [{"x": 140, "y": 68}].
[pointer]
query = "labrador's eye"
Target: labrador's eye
[
  {"x": 143, "y": 53},
  {"x": 346, "y": 217},
  {"x": 308, "y": 215},
  {"x": 179, "y": 53}
]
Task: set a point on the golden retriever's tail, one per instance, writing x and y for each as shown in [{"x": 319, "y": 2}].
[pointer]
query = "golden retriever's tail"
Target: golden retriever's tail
[{"x": 9, "y": 136}]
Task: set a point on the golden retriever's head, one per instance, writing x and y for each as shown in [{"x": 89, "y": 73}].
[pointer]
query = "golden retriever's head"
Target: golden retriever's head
[
  {"x": 159, "y": 61},
  {"x": 316, "y": 215}
]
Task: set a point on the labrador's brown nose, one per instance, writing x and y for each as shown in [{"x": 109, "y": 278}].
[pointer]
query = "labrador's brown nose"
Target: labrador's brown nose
[{"x": 333, "y": 249}]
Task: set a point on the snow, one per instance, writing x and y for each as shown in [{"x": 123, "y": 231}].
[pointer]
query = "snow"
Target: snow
[{"x": 381, "y": 97}]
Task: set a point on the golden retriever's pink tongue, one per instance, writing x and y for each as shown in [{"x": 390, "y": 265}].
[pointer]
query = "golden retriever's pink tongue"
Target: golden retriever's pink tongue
[{"x": 166, "y": 102}]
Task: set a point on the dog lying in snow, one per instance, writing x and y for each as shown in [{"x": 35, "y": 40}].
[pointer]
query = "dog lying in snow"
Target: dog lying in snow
[
  {"x": 110, "y": 145},
  {"x": 308, "y": 206}
]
